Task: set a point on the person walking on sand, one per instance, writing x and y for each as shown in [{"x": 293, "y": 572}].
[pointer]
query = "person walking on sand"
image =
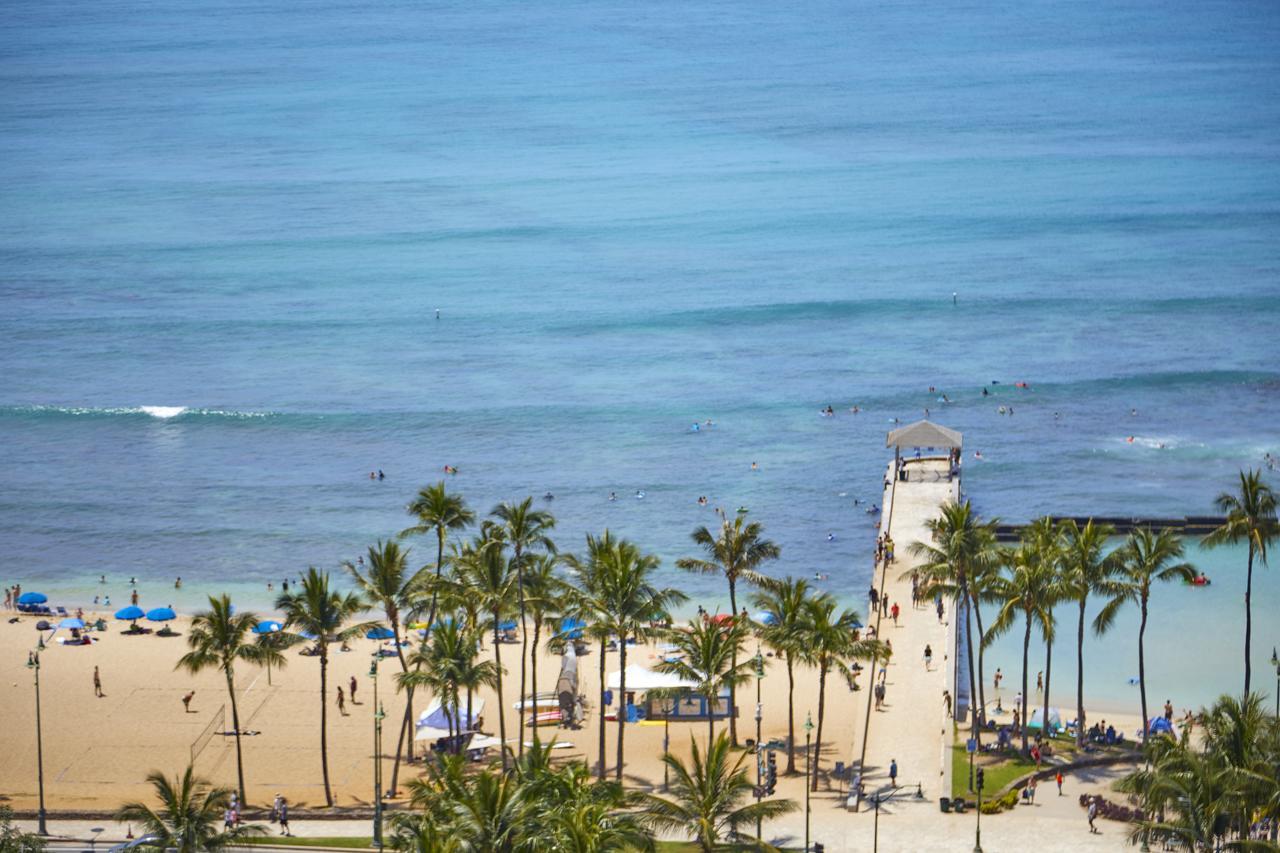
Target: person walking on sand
[
  {"x": 275, "y": 808},
  {"x": 133, "y": 599},
  {"x": 894, "y": 611},
  {"x": 353, "y": 691},
  {"x": 946, "y": 697},
  {"x": 1058, "y": 778},
  {"x": 186, "y": 702},
  {"x": 1031, "y": 787},
  {"x": 893, "y": 772},
  {"x": 284, "y": 817},
  {"x": 342, "y": 701},
  {"x": 1040, "y": 682},
  {"x": 1093, "y": 814},
  {"x": 928, "y": 656},
  {"x": 97, "y": 684}
]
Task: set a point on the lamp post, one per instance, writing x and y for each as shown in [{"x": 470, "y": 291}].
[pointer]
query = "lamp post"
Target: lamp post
[
  {"x": 759, "y": 767},
  {"x": 33, "y": 663},
  {"x": 378, "y": 716},
  {"x": 666, "y": 743},
  {"x": 808, "y": 769}
]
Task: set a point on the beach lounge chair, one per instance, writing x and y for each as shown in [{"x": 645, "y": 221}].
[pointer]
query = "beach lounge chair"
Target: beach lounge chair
[{"x": 62, "y": 611}]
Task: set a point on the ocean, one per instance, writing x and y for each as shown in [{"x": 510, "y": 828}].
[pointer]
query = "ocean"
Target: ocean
[{"x": 226, "y": 231}]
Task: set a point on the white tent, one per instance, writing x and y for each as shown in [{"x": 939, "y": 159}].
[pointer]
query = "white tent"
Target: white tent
[
  {"x": 639, "y": 678},
  {"x": 433, "y": 724}
]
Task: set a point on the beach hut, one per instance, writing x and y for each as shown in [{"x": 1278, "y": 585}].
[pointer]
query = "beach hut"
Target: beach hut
[
  {"x": 1036, "y": 719},
  {"x": 666, "y": 696}
]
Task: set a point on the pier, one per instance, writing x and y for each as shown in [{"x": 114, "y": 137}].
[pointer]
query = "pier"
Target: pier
[{"x": 1191, "y": 525}]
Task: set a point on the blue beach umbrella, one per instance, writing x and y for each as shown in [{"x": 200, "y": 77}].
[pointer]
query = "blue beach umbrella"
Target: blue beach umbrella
[
  {"x": 33, "y": 598},
  {"x": 571, "y": 629},
  {"x": 380, "y": 633},
  {"x": 71, "y": 623},
  {"x": 131, "y": 612},
  {"x": 507, "y": 625},
  {"x": 267, "y": 628},
  {"x": 161, "y": 614},
  {"x": 764, "y": 617},
  {"x": 1159, "y": 726}
]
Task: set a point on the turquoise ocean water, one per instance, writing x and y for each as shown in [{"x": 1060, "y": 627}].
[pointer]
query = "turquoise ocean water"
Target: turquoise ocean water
[{"x": 225, "y": 230}]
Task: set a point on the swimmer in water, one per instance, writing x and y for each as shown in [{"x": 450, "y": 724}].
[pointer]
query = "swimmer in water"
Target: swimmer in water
[
  {"x": 640, "y": 494},
  {"x": 755, "y": 467},
  {"x": 820, "y": 576},
  {"x": 977, "y": 454},
  {"x": 831, "y": 537},
  {"x": 548, "y": 497},
  {"x": 1129, "y": 439},
  {"x": 985, "y": 393},
  {"x": 613, "y": 496},
  {"x": 855, "y": 410}
]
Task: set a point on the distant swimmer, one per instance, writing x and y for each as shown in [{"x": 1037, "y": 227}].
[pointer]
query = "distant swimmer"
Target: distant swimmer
[
  {"x": 946, "y": 399},
  {"x": 102, "y": 578},
  {"x": 381, "y": 476},
  {"x": 177, "y": 583},
  {"x": 696, "y": 427},
  {"x": 640, "y": 494},
  {"x": 755, "y": 467},
  {"x": 829, "y": 412},
  {"x": 1001, "y": 410},
  {"x": 613, "y": 496},
  {"x": 873, "y": 509},
  {"x": 831, "y": 537},
  {"x": 985, "y": 393},
  {"x": 854, "y": 409},
  {"x": 977, "y": 454},
  {"x": 926, "y": 411},
  {"x": 1129, "y": 439},
  {"x": 954, "y": 296},
  {"x": 373, "y": 475},
  {"x": 821, "y": 576},
  {"x": 1133, "y": 411},
  {"x": 449, "y": 469},
  {"x": 437, "y": 313},
  {"x": 548, "y": 497}
]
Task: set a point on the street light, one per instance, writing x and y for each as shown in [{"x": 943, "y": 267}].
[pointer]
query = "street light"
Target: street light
[
  {"x": 378, "y": 716},
  {"x": 33, "y": 663},
  {"x": 808, "y": 769}
]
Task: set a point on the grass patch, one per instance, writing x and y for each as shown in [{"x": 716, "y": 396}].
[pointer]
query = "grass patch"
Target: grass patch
[
  {"x": 1000, "y": 770},
  {"x": 365, "y": 841}
]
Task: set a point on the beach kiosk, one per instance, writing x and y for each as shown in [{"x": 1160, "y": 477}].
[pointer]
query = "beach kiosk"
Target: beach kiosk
[
  {"x": 665, "y": 696},
  {"x": 925, "y": 440}
]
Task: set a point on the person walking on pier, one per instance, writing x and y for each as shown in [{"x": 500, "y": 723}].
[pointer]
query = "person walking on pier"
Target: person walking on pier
[
  {"x": 893, "y": 772},
  {"x": 894, "y": 611},
  {"x": 928, "y": 657}
]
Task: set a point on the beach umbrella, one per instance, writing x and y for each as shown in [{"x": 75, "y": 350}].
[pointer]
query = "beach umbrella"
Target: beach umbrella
[
  {"x": 764, "y": 617},
  {"x": 161, "y": 614},
  {"x": 571, "y": 629},
  {"x": 267, "y": 628},
  {"x": 1159, "y": 726},
  {"x": 131, "y": 612},
  {"x": 71, "y": 623},
  {"x": 507, "y": 625},
  {"x": 1035, "y": 721},
  {"x": 33, "y": 598},
  {"x": 380, "y": 633}
]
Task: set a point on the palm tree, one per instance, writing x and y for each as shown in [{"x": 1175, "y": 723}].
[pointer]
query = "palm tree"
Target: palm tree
[
  {"x": 788, "y": 602},
  {"x": 388, "y": 582},
  {"x": 573, "y": 813},
  {"x": 485, "y": 811},
  {"x": 1047, "y": 538},
  {"x": 189, "y": 814},
  {"x": 218, "y": 638},
  {"x": 1146, "y": 558},
  {"x": 590, "y": 600},
  {"x": 1024, "y": 591},
  {"x": 707, "y": 797},
  {"x": 1251, "y": 518},
  {"x": 963, "y": 550},
  {"x": 705, "y": 655},
  {"x": 545, "y": 598},
  {"x": 318, "y": 611},
  {"x": 437, "y": 512},
  {"x": 1085, "y": 570},
  {"x": 737, "y": 552},
  {"x": 526, "y": 528},
  {"x": 448, "y": 665},
  {"x": 490, "y": 577},
  {"x": 629, "y": 604},
  {"x": 828, "y": 640}
]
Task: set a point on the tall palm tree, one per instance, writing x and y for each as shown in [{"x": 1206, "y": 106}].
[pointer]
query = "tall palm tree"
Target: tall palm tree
[
  {"x": 787, "y": 600},
  {"x": 828, "y": 641},
  {"x": 1047, "y": 538},
  {"x": 448, "y": 665},
  {"x": 590, "y": 600},
  {"x": 526, "y": 528},
  {"x": 707, "y": 797},
  {"x": 1022, "y": 591},
  {"x": 629, "y": 604},
  {"x": 319, "y": 611},
  {"x": 388, "y": 582},
  {"x": 1146, "y": 558},
  {"x": 737, "y": 552},
  {"x": 963, "y": 548},
  {"x": 219, "y": 637},
  {"x": 491, "y": 578},
  {"x": 189, "y": 815},
  {"x": 1251, "y": 518},
  {"x": 485, "y": 811},
  {"x": 1085, "y": 569},
  {"x": 705, "y": 654},
  {"x": 437, "y": 512},
  {"x": 545, "y": 599}
]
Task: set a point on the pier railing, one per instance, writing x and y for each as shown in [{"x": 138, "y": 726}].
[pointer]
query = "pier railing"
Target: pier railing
[{"x": 1191, "y": 525}]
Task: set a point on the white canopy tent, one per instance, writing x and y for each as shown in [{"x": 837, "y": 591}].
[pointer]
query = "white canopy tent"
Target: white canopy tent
[
  {"x": 641, "y": 679},
  {"x": 432, "y": 723}
]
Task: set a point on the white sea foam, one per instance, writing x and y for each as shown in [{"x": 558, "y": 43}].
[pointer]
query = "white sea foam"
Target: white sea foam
[{"x": 164, "y": 412}]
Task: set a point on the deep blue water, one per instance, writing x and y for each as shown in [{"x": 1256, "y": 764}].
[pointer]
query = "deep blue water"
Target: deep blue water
[{"x": 631, "y": 217}]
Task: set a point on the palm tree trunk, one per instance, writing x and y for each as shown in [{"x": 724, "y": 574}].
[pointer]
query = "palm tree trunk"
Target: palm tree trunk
[
  {"x": 622, "y": 699},
  {"x": 324, "y": 719},
  {"x": 408, "y": 709},
  {"x": 600, "y": 769},
  {"x": 533, "y": 677},
  {"x": 235, "y": 724},
  {"x": 822, "y": 706},
  {"x": 1048, "y": 672},
  {"x": 457, "y": 746},
  {"x": 711, "y": 723},
  {"x": 1080, "y": 727},
  {"x": 733, "y": 687},
  {"x": 524, "y": 647},
  {"x": 502, "y": 713},
  {"x": 975, "y": 730},
  {"x": 982, "y": 651},
  {"x": 791, "y": 718},
  {"x": 1026, "y": 650},
  {"x": 1248, "y": 621},
  {"x": 1142, "y": 668}
]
